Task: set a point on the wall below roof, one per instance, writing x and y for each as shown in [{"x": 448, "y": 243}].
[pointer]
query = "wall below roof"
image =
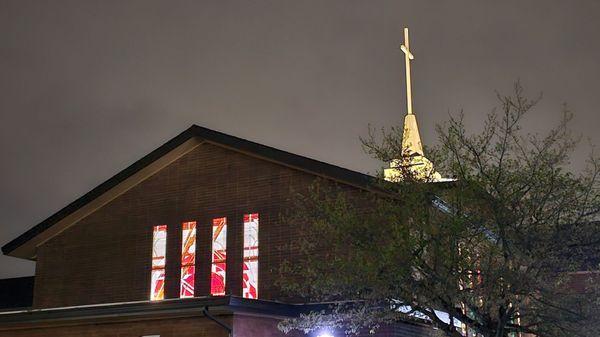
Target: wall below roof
[
  {"x": 166, "y": 327},
  {"x": 243, "y": 325}
]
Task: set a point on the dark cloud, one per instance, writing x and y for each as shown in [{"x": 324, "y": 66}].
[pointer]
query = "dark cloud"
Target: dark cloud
[{"x": 86, "y": 88}]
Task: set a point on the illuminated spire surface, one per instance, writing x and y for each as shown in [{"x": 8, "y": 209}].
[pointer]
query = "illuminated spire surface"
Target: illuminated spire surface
[{"x": 413, "y": 160}]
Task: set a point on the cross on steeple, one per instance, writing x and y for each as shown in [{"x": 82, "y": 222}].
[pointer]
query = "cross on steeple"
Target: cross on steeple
[
  {"x": 407, "y": 57},
  {"x": 411, "y": 140}
]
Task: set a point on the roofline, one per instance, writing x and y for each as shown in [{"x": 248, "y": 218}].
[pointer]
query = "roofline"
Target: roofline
[
  {"x": 296, "y": 161},
  {"x": 169, "y": 308},
  {"x": 306, "y": 164}
]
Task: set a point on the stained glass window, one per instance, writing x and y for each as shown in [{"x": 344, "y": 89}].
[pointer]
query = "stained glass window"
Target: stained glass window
[
  {"x": 250, "y": 266},
  {"x": 219, "y": 257},
  {"x": 159, "y": 247},
  {"x": 188, "y": 259}
]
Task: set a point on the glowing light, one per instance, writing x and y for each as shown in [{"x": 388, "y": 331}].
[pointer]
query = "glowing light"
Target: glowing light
[
  {"x": 325, "y": 334},
  {"x": 250, "y": 266}
]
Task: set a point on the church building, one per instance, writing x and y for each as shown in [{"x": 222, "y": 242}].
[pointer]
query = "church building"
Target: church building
[{"x": 187, "y": 241}]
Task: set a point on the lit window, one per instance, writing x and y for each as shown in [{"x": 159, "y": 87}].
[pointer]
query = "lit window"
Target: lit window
[
  {"x": 188, "y": 259},
  {"x": 159, "y": 245},
  {"x": 250, "y": 267},
  {"x": 219, "y": 257}
]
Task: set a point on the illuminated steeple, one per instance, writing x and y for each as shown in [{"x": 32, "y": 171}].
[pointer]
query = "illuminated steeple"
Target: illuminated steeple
[{"x": 413, "y": 159}]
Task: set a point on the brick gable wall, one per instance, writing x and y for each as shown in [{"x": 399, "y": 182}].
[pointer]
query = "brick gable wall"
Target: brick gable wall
[{"x": 106, "y": 257}]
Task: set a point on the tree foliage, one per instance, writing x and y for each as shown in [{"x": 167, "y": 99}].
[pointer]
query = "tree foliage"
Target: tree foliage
[{"x": 493, "y": 252}]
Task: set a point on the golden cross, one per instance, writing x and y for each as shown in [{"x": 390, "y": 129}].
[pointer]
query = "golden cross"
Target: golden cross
[{"x": 407, "y": 57}]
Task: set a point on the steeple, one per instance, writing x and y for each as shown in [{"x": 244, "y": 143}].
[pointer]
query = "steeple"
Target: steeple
[{"x": 413, "y": 158}]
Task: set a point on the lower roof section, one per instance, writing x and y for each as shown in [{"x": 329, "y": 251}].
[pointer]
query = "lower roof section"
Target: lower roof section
[{"x": 218, "y": 305}]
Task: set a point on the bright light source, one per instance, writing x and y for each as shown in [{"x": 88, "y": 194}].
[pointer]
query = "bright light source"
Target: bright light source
[{"x": 325, "y": 334}]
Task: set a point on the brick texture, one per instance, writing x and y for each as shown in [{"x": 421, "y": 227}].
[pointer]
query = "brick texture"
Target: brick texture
[
  {"x": 172, "y": 327},
  {"x": 106, "y": 257}
]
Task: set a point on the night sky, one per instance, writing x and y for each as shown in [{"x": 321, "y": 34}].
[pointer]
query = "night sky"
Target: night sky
[{"x": 87, "y": 88}]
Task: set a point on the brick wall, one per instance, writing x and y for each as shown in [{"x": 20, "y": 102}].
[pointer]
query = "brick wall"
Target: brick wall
[
  {"x": 106, "y": 257},
  {"x": 171, "y": 327}
]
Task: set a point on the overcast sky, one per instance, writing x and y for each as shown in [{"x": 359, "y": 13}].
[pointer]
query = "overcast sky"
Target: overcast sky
[{"x": 87, "y": 88}]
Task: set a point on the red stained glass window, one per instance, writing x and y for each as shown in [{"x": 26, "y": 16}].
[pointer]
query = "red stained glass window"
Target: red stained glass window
[
  {"x": 250, "y": 266},
  {"x": 159, "y": 247},
  {"x": 219, "y": 257},
  {"x": 188, "y": 259}
]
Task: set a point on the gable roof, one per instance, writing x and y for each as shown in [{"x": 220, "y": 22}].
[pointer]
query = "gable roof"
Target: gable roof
[{"x": 24, "y": 245}]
